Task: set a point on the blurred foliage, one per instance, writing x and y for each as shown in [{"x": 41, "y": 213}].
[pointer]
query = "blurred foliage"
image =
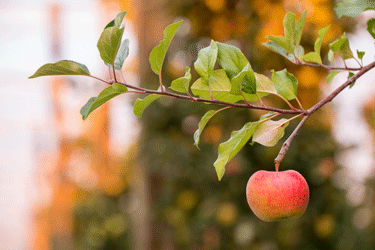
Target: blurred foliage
[
  {"x": 190, "y": 208},
  {"x": 101, "y": 224}
]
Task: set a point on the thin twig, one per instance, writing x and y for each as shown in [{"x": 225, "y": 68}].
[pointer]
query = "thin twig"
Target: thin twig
[
  {"x": 248, "y": 104},
  {"x": 290, "y": 119},
  {"x": 299, "y": 62},
  {"x": 260, "y": 99},
  {"x": 237, "y": 105},
  {"x": 191, "y": 97},
  {"x": 286, "y": 144},
  {"x": 209, "y": 88},
  {"x": 219, "y": 110},
  {"x": 114, "y": 73},
  {"x": 97, "y": 78},
  {"x": 161, "y": 82},
  {"x": 276, "y": 94},
  {"x": 299, "y": 103},
  {"x": 360, "y": 65}
]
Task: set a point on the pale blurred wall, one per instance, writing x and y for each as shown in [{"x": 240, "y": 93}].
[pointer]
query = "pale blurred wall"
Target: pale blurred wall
[
  {"x": 350, "y": 127},
  {"x": 25, "y": 112}
]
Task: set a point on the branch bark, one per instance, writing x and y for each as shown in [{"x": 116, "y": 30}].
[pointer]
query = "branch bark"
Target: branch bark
[
  {"x": 322, "y": 66},
  {"x": 213, "y": 101},
  {"x": 286, "y": 144},
  {"x": 337, "y": 91}
]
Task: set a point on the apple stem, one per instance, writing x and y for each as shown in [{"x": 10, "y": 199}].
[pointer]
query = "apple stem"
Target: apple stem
[
  {"x": 277, "y": 165},
  {"x": 285, "y": 146}
]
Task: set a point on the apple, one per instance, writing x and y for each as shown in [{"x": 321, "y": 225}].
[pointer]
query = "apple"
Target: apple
[{"x": 277, "y": 195}]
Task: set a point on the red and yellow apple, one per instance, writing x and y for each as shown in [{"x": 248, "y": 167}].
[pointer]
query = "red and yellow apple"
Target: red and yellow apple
[{"x": 277, "y": 195}]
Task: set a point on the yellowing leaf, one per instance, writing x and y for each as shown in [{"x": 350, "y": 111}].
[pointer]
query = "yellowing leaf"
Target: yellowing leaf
[{"x": 268, "y": 133}]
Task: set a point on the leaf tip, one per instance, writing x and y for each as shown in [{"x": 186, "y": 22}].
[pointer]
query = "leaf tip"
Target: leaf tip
[{"x": 220, "y": 169}]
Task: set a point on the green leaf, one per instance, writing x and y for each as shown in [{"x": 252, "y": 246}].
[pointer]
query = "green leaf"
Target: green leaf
[
  {"x": 108, "y": 93},
  {"x": 182, "y": 84},
  {"x": 293, "y": 29},
  {"x": 85, "y": 110},
  {"x": 122, "y": 54},
  {"x": 239, "y": 82},
  {"x": 206, "y": 60},
  {"x": 313, "y": 57},
  {"x": 220, "y": 87},
  {"x": 318, "y": 43},
  {"x": 280, "y": 50},
  {"x": 268, "y": 133},
  {"x": 341, "y": 47},
  {"x": 109, "y": 43},
  {"x": 349, "y": 76},
  {"x": 300, "y": 51},
  {"x": 371, "y": 27},
  {"x": 141, "y": 104},
  {"x": 289, "y": 28},
  {"x": 285, "y": 84},
  {"x": 360, "y": 54},
  {"x": 331, "y": 56},
  {"x": 353, "y": 8},
  {"x": 64, "y": 67},
  {"x": 209, "y": 114},
  {"x": 299, "y": 28},
  {"x": 117, "y": 21},
  {"x": 331, "y": 76},
  {"x": 233, "y": 61},
  {"x": 292, "y": 36},
  {"x": 158, "y": 53},
  {"x": 283, "y": 42},
  {"x": 227, "y": 150}
]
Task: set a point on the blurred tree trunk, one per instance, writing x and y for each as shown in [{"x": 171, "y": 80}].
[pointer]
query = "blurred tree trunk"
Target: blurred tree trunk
[{"x": 149, "y": 27}]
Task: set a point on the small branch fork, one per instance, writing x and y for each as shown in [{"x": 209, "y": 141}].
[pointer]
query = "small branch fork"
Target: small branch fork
[
  {"x": 317, "y": 106},
  {"x": 298, "y": 112}
]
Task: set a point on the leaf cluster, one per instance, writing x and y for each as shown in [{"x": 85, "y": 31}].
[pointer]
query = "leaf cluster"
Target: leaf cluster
[{"x": 233, "y": 82}]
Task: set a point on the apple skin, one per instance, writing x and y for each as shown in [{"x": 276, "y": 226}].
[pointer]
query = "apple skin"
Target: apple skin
[{"x": 277, "y": 195}]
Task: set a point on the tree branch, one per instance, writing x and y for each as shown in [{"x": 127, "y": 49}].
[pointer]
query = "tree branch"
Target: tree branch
[
  {"x": 322, "y": 66},
  {"x": 306, "y": 113},
  {"x": 317, "y": 106},
  {"x": 341, "y": 88},
  {"x": 214, "y": 101},
  {"x": 286, "y": 144}
]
